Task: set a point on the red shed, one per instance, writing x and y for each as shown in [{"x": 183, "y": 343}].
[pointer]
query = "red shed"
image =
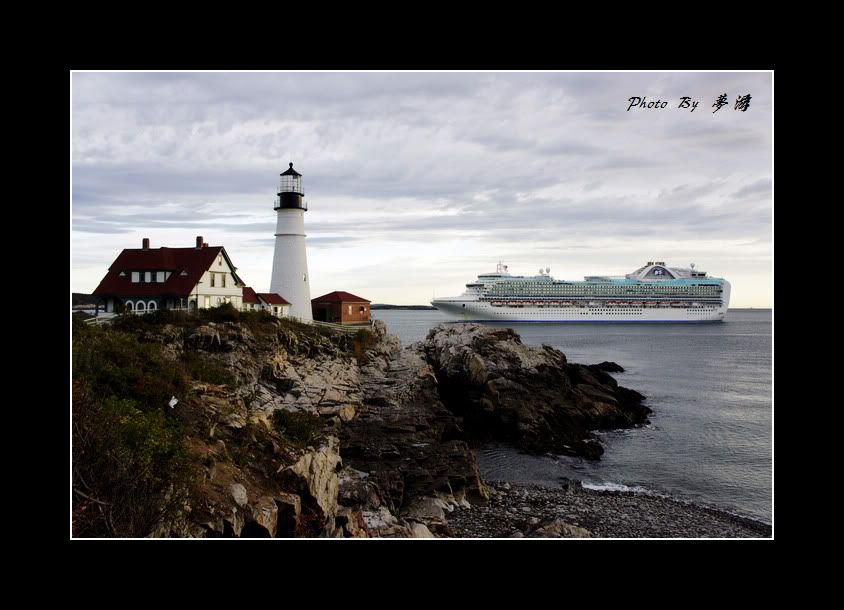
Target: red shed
[{"x": 341, "y": 308}]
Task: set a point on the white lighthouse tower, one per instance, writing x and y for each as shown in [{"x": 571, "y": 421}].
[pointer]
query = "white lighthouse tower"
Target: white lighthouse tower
[{"x": 290, "y": 276}]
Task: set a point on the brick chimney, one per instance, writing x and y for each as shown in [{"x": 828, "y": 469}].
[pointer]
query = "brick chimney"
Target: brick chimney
[
  {"x": 145, "y": 243},
  {"x": 198, "y": 242}
]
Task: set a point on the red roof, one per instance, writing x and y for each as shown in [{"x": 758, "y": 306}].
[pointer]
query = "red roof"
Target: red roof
[
  {"x": 186, "y": 266},
  {"x": 272, "y": 298},
  {"x": 339, "y": 296},
  {"x": 249, "y": 295}
]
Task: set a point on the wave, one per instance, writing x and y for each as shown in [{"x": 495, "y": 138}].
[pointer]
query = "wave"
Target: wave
[{"x": 610, "y": 486}]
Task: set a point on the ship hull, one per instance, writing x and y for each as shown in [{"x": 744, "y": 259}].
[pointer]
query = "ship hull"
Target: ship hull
[{"x": 482, "y": 311}]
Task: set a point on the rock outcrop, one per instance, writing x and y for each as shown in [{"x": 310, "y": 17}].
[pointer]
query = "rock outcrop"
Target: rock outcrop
[
  {"x": 403, "y": 441},
  {"x": 503, "y": 390},
  {"x": 387, "y": 449}
]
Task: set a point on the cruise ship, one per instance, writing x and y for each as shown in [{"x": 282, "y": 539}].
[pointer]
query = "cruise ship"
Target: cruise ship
[{"x": 652, "y": 293}]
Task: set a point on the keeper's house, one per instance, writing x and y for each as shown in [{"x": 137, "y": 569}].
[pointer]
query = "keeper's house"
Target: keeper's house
[
  {"x": 341, "y": 308},
  {"x": 266, "y": 301},
  {"x": 145, "y": 279}
]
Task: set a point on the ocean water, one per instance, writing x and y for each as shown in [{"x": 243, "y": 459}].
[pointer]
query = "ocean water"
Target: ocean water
[{"x": 709, "y": 385}]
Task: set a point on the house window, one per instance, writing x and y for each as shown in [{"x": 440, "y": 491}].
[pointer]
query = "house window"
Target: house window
[
  {"x": 207, "y": 302},
  {"x": 128, "y": 305},
  {"x": 212, "y": 280},
  {"x": 220, "y": 261},
  {"x": 223, "y": 281},
  {"x": 275, "y": 309},
  {"x": 219, "y": 300},
  {"x": 140, "y": 306},
  {"x": 159, "y": 276},
  {"x": 152, "y": 306},
  {"x": 136, "y": 277},
  {"x": 147, "y": 276},
  {"x": 362, "y": 308},
  {"x": 350, "y": 310}
]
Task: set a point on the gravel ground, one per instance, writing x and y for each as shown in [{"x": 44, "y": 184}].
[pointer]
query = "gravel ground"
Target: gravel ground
[{"x": 528, "y": 511}]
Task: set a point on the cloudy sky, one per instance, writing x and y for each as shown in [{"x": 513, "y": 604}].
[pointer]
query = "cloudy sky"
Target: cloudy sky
[{"x": 416, "y": 182}]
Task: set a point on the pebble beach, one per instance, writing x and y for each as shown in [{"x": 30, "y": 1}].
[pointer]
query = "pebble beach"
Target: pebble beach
[{"x": 570, "y": 511}]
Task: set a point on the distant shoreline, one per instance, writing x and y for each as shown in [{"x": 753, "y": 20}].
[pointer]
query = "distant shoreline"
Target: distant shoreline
[{"x": 376, "y": 306}]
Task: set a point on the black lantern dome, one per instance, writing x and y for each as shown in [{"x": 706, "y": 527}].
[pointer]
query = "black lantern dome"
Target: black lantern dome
[{"x": 290, "y": 191}]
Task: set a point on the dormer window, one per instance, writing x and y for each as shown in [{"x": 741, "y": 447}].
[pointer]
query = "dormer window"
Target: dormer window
[
  {"x": 122, "y": 274},
  {"x": 183, "y": 274},
  {"x": 220, "y": 261}
]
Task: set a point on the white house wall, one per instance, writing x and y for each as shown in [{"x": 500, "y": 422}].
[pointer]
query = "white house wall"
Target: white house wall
[{"x": 232, "y": 291}]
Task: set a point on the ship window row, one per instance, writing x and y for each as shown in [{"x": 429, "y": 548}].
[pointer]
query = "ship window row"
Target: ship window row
[
  {"x": 568, "y": 287},
  {"x": 606, "y": 291}
]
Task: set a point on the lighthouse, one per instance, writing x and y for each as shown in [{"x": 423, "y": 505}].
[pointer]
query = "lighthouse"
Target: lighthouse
[{"x": 290, "y": 276}]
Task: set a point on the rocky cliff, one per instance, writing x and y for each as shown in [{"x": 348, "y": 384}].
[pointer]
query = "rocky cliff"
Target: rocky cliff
[
  {"x": 316, "y": 433},
  {"x": 501, "y": 389}
]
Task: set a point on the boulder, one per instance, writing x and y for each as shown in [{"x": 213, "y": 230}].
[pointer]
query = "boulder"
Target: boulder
[
  {"x": 314, "y": 478},
  {"x": 239, "y": 494},
  {"x": 351, "y": 523},
  {"x": 609, "y": 367},
  {"x": 265, "y": 515},
  {"x": 534, "y": 398},
  {"x": 289, "y": 511},
  {"x": 558, "y": 528},
  {"x": 204, "y": 338}
]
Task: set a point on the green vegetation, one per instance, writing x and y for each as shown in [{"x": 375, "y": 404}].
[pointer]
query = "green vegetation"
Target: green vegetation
[
  {"x": 112, "y": 363},
  {"x": 130, "y": 463},
  {"x": 132, "y": 470},
  {"x": 259, "y": 322},
  {"x": 202, "y": 369},
  {"x": 300, "y": 428}
]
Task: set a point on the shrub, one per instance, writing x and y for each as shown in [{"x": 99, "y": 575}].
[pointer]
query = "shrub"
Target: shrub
[
  {"x": 258, "y": 322},
  {"x": 112, "y": 363},
  {"x": 130, "y": 466},
  {"x": 300, "y": 428},
  {"x": 202, "y": 369},
  {"x": 225, "y": 312}
]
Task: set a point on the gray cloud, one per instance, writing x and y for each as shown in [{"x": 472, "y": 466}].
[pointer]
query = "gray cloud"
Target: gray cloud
[
  {"x": 390, "y": 159},
  {"x": 759, "y": 188},
  {"x": 624, "y": 162}
]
